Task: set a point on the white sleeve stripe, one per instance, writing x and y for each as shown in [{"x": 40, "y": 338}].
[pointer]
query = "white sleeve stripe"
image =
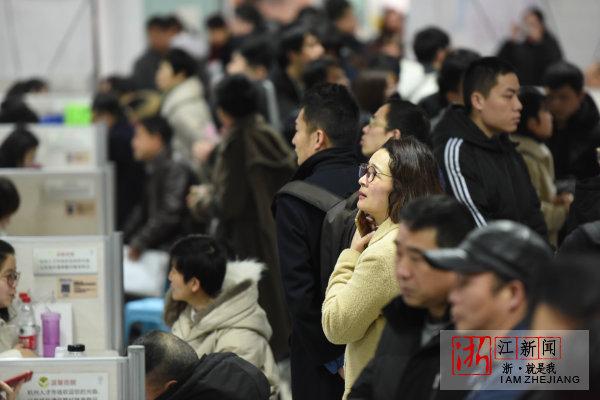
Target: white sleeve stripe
[{"x": 457, "y": 181}]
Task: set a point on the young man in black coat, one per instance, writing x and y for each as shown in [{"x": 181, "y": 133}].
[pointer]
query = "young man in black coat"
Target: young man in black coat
[
  {"x": 162, "y": 215},
  {"x": 407, "y": 361},
  {"x": 326, "y": 130},
  {"x": 576, "y": 123},
  {"x": 481, "y": 166},
  {"x": 174, "y": 372}
]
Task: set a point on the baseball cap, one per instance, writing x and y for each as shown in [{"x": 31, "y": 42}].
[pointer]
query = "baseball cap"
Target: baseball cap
[{"x": 506, "y": 248}]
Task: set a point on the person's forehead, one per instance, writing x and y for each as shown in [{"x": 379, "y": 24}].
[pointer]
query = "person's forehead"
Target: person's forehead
[
  {"x": 508, "y": 81},
  {"x": 420, "y": 239},
  {"x": 382, "y": 112},
  {"x": 9, "y": 264}
]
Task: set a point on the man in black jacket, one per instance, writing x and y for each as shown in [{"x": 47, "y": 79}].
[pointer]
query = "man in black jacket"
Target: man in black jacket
[
  {"x": 162, "y": 217},
  {"x": 576, "y": 123},
  {"x": 532, "y": 54},
  {"x": 326, "y": 130},
  {"x": 173, "y": 372},
  {"x": 407, "y": 360},
  {"x": 481, "y": 166}
]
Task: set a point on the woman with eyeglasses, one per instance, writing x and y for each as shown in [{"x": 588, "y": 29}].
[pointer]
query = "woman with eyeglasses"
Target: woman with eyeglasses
[
  {"x": 362, "y": 282},
  {"x": 8, "y": 290}
]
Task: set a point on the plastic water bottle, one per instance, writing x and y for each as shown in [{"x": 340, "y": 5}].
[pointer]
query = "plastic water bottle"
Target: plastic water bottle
[{"x": 26, "y": 323}]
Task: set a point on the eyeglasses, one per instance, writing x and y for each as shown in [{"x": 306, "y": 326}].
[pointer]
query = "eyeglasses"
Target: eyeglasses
[
  {"x": 12, "y": 278},
  {"x": 370, "y": 171}
]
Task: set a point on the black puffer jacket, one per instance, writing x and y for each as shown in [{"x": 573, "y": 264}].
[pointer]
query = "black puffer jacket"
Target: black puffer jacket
[
  {"x": 574, "y": 146},
  {"x": 220, "y": 376},
  {"x": 488, "y": 175},
  {"x": 163, "y": 216}
]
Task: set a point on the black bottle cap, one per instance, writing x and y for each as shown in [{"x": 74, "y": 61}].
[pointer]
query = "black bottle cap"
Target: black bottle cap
[{"x": 76, "y": 348}]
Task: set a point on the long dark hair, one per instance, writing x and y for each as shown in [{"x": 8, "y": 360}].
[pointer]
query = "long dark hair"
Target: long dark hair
[
  {"x": 15, "y": 146},
  {"x": 414, "y": 173},
  {"x": 5, "y": 251}
]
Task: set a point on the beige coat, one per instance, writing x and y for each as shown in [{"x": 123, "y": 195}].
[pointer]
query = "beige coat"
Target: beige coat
[
  {"x": 234, "y": 322},
  {"x": 540, "y": 165},
  {"x": 188, "y": 114},
  {"x": 359, "y": 287}
]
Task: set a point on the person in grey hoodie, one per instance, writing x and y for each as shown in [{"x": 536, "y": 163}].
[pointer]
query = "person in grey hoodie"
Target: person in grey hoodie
[{"x": 213, "y": 304}]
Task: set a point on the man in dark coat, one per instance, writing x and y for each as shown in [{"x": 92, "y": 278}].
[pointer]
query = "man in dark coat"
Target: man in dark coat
[
  {"x": 481, "y": 166},
  {"x": 162, "y": 216},
  {"x": 326, "y": 130},
  {"x": 173, "y": 372},
  {"x": 407, "y": 361},
  {"x": 253, "y": 162},
  {"x": 533, "y": 55},
  {"x": 576, "y": 123},
  {"x": 159, "y": 37}
]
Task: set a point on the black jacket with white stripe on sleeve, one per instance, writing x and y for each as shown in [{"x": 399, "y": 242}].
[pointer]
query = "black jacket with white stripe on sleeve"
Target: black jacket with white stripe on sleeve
[{"x": 488, "y": 175}]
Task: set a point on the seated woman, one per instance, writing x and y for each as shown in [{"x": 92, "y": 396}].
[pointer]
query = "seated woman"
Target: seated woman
[
  {"x": 9, "y": 276},
  {"x": 9, "y": 204},
  {"x": 535, "y": 128},
  {"x": 362, "y": 282},
  {"x": 18, "y": 149},
  {"x": 213, "y": 304}
]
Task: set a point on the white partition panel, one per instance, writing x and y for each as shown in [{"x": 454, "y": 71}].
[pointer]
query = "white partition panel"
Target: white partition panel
[
  {"x": 64, "y": 146},
  {"x": 79, "y": 277},
  {"x": 63, "y": 202},
  {"x": 97, "y": 378}
]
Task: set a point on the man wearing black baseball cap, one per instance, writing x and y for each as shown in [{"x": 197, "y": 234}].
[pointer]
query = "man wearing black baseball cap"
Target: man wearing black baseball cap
[{"x": 497, "y": 265}]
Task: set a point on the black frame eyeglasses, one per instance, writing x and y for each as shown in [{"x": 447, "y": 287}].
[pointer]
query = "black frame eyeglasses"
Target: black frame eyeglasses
[
  {"x": 370, "y": 171},
  {"x": 12, "y": 278}
]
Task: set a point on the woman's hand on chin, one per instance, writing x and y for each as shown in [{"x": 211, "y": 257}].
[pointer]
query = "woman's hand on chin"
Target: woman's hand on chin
[{"x": 359, "y": 243}]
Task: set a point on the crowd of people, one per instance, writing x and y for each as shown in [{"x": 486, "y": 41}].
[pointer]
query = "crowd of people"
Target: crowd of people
[{"x": 333, "y": 202}]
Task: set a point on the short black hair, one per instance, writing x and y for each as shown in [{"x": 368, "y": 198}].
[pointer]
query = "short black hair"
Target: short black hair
[
  {"x": 563, "y": 73},
  {"x": 569, "y": 284},
  {"x": 181, "y": 61},
  {"x": 332, "y": 108},
  {"x": 237, "y": 96},
  {"x": 158, "y": 126},
  {"x": 167, "y": 356},
  {"x": 451, "y": 220},
  {"x": 108, "y": 103},
  {"x": 408, "y": 118},
  {"x": 250, "y": 13},
  {"x": 200, "y": 257},
  {"x": 258, "y": 51},
  {"x": 482, "y": 75},
  {"x": 157, "y": 22},
  {"x": 453, "y": 69},
  {"x": 533, "y": 101},
  {"x": 120, "y": 85},
  {"x": 538, "y": 13},
  {"x": 10, "y": 198},
  {"x": 173, "y": 22},
  {"x": 215, "y": 21},
  {"x": 15, "y": 146},
  {"x": 316, "y": 71},
  {"x": 292, "y": 40},
  {"x": 427, "y": 42},
  {"x": 335, "y": 9}
]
